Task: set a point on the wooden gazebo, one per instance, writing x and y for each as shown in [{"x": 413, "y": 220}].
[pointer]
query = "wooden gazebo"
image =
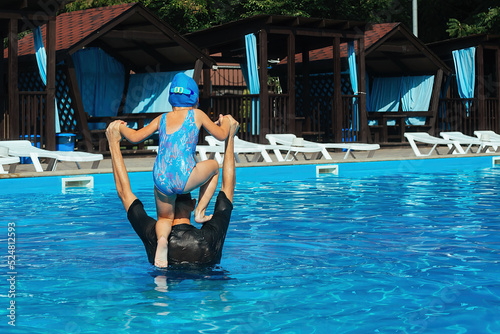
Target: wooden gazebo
[
  {"x": 482, "y": 112},
  {"x": 390, "y": 50},
  {"x": 16, "y": 17},
  {"x": 129, "y": 33},
  {"x": 278, "y": 37}
]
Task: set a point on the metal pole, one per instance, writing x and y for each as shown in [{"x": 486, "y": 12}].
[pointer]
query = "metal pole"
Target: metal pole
[{"x": 415, "y": 17}]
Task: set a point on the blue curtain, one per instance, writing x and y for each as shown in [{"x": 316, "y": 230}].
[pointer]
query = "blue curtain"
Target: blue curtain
[
  {"x": 41, "y": 59},
  {"x": 252, "y": 78},
  {"x": 416, "y": 93},
  {"x": 101, "y": 79},
  {"x": 385, "y": 96},
  {"x": 353, "y": 74},
  {"x": 465, "y": 70},
  {"x": 148, "y": 92}
]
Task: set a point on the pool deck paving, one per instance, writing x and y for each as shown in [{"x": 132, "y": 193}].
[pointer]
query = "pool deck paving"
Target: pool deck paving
[{"x": 141, "y": 162}]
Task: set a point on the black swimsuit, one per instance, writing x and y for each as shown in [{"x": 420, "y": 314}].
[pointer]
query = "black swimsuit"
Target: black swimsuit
[{"x": 186, "y": 243}]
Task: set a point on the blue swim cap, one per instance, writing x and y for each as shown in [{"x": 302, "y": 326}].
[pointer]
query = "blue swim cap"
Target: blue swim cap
[{"x": 183, "y": 91}]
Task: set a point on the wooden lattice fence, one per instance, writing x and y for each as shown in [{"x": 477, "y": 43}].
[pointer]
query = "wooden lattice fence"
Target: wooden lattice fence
[
  {"x": 320, "y": 96},
  {"x": 65, "y": 107},
  {"x": 33, "y": 107}
]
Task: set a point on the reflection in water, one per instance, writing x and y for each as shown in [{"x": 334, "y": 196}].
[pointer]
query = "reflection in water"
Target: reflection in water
[
  {"x": 165, "y": 278},
  {"x": 178, "y": 284}
]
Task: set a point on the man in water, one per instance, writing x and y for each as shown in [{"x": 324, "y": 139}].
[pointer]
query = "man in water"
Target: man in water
[{"x": 186, "y": 243}]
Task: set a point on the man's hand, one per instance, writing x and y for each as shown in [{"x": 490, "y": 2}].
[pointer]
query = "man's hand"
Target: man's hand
[
  {"x": 233, "y": 125},
  {"x": 113, "y": 132}
]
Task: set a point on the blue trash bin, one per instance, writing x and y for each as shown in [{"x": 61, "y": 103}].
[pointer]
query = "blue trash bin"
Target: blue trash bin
[
  {"x": 31, "y": 138},
  {"x": 65, "y": 141}
]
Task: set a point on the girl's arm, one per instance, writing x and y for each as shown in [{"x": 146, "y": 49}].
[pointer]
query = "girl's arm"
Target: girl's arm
[
  {"x": 137, "y": 136},
  {"x": 220, "y": 131}
]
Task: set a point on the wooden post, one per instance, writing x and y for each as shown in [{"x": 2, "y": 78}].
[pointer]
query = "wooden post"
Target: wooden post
[
  {"x": 363, "y": 116},
  {"x": 198, "y": 66},
  {"x": 497, "y": 110},
  {"x": 434, "y": 103},
  {"x": 337, "y": 111},
  {"x": 50, "y": 116},
  {"x": 80, "y": 115},
  {"x": 306, "y": 93},
  {"x": 290, "y": 119},
  {"x": 124, "y": 93},
  {"x": 481, "y": 124},
  {"x": 204, "y": 98},
  {"x": 207, "y": 92},
  {"x": 13, "y": 104},
  {"x": 264, "y": 93},
  {"x": 3, "y": 89}
]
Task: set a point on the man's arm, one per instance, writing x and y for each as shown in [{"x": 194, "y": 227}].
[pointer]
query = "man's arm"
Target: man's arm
[
  {"x": 122, "y": 181},
  {"x": 228, "y": 168}
]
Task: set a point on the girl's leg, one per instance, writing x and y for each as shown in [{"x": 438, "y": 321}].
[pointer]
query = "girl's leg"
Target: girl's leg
[
  {"x": 204, "y": 171},
  {"x": 206, "y": 192},
  {"x": 163, "y": 228},
  {"x": 165, "y": 207}
]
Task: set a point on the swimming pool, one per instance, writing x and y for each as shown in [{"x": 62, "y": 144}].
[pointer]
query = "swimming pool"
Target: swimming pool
[{"x": 392, "y": 247}]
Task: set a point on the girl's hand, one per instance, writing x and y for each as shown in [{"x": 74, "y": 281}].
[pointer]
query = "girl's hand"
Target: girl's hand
[
  {"x": 122, "y": 124},
  {"x": 219, "y": 121}
]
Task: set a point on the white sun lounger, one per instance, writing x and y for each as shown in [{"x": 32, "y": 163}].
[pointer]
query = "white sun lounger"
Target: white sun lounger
[
  {"x": 23, "y": 148},
  {"x": 423, "y": 137},
  {"x": 483, "y": 146},
  {"x": 489, "y": 136},
  {"x": 288, "y": 139},
  {"x": 251, "y": 151},
  {"x": 12, "y": 161},
  {"x": 349, "y": 147},
  {"x": 289, "y": 143},
  {"x": 210, "y": 152},
  {"x": 204, "y": 151},
  {"x": 6, "y": 160}
]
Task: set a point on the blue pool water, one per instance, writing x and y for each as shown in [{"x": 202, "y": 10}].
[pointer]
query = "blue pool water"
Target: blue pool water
[{"x": 401, "y": 247}]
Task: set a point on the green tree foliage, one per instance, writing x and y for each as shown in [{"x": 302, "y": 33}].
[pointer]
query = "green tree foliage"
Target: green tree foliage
[
  {"x": 482, "y": 23},
  {"x": 86, "y": 4},
  {"x": 436, "y": 18},
  {"x": 192, "y": 15},
  {"x": 184, "y": 15}
]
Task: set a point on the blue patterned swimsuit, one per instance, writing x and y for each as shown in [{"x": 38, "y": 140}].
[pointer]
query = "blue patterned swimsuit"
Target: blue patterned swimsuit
[{"x": 175, "y": 159}]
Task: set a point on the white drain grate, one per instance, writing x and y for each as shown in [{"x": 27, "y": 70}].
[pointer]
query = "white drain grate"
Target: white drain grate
[{"x": 327, "y": 169}]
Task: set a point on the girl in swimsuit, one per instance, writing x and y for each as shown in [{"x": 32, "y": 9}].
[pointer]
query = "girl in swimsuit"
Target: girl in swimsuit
[{"x": 175, "y": 171}]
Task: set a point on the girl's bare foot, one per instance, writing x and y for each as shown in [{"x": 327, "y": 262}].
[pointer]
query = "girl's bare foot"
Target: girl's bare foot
[
  {"x": 161, "y": 255},
  {"x": 200, "y": 218}
]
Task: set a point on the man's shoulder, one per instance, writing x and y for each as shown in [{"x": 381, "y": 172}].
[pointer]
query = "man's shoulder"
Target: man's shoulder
[{"x": 223, "y": 203}]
